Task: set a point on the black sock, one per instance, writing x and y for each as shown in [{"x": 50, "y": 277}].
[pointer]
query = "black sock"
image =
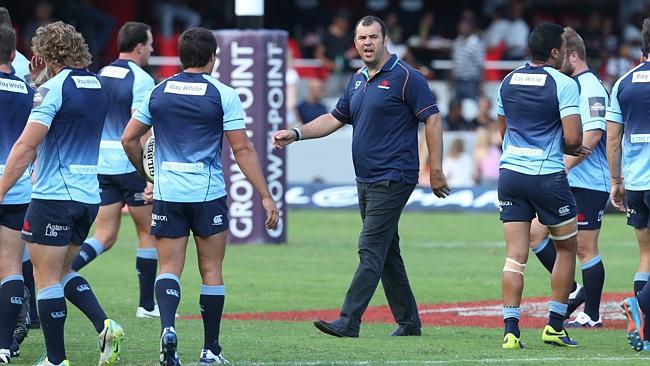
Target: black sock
[
  {"x": 640, "y": 280},
  {"x": 211, "y": 303},
  {"x": 53, "y": 310},
  {"x": 593, "y": 276},
  {"x": 545, "y": 252},
  {"x": 146, "y": 264},
  {"x": 78, "y": 291},
  {"x": 511, "y": 315},
  {"x": 89, "y": 251},
  {"x": 12, "y": 292},
  {"x": 556, "y": 315},
  {"x": 28, "y": 276},
  {"x": 168, "y": 295}
]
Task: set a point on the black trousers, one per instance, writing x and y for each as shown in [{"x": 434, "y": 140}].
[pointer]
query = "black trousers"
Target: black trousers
[{"x": 381, "y": 204}]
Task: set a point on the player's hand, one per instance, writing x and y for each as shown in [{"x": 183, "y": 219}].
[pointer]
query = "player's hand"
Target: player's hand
[
  {"x": 582, "y": 151},
  {"x": 617, "y": 196},
  {"x": 37, "y": 70},
  {"x": 439, "y": 185},
  {"x": 283, "y": 138},
  {"x": 272, "y": 213},
  {"x": 148, "y": 193}
]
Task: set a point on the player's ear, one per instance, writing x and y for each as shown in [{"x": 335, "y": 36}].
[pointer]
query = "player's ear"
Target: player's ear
[{"x": 12, "y": 56}]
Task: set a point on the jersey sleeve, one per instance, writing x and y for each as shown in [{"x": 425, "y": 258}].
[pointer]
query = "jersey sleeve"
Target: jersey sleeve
[
  {"x": 142, "y": 113},
  {"x": 142, "y": 84},
  {"x": 614, "y": 109},
  {"x": 47, "y": 103},
  {"x": 500, "y": 110},
  {"x": 568, "y": 96},
  {"x": 342, "y": 109},
  {"x": 418, "y": 96},
  {"x": 233, "y": 112},
  {"x": 593, "y": 104}
]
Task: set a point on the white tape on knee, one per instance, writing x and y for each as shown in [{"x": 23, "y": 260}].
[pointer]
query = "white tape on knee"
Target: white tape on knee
[
  {"x": 563, "y": 230},
  {"x": 513, "y": 266}
]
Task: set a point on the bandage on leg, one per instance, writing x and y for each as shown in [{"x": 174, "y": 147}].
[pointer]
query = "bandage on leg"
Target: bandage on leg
[
  {"x": 563, "y": 230},
  {"x": 513, "y": 266}
]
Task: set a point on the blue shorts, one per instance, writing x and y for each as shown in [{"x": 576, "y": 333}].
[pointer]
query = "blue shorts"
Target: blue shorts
[
  {"x": 591, "y": 207},
  {"x": 58, "y": 223},
  {"x": 522, "y": 196},
  {"x": 127, "y": 188},
  {"x": 638, "y": 208},
  {"x": 12, "y": 216},
  {"x": 176, "y": 219}
]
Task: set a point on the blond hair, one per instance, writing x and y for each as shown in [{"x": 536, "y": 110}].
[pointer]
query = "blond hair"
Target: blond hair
[
  {"x": 574, "y": 43},
  {"x": 60, "y": 44}
]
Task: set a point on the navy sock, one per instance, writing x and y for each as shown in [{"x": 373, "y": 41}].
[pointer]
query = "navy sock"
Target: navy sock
[
  {"x": 545, "y": 252},
  {"x": 556, "y": 314},
  {"x": 78, "y": 291},
  {"x": 28, "y": 276},
  {"x": 593, "y": 276},
  {"x": 640, "y": 280},
  {"x": 511, "y": 316},
  {"x": 168, "y": 295},
  {"x": 12, "y": 292},
  {"x": 211, "y": 304},
  {"x": 53, "y": 310},
  {"x": 146, "y": 264},
  {"x": 89, "y": 251}
]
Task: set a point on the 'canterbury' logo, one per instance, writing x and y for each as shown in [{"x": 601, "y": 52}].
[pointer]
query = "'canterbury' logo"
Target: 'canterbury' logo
[
  {"x": 82, "y": 288},
  {"x": 58, "y": 314},
  {"x": 172, "y": 292}
]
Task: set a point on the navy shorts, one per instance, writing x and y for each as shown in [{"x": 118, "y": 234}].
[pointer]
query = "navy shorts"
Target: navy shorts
[
  {"x": 176, "y": 219},
  {"x": 522, "y": 196},
  {"x": 12, "y": 216},
  {"x": 591, "y": 207},
  {"x": 58, "y": 223},
  {"x": 127, "y": 188},
  {"x": 638, "y": 212}
]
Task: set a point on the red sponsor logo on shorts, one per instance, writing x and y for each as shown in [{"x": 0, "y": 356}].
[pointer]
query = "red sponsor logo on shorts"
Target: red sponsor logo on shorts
[
  {"x": 27, "y": 226},
  {"x": 581, "y": 217}
]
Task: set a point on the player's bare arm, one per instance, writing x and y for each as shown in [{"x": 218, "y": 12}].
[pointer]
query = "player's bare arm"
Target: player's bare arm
[
  {"x": 22, "y": 154},
  {"x": 131, "y": 138},
  {"x": 433, "y": 136},
  {"x": 614, "y": 137},
  {"x": 572, "y": 126},
  {"x": 590, "y": 140},
  {"x": 320, "y": 127}
]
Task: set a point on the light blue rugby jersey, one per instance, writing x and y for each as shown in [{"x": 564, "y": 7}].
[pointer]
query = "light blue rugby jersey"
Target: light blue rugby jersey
[
  {"x": 189, "y": 113},
  {"x": 534, "y": 99},
  {"x": 593, "y": 172},
  {"x": 629, "y": 106},
  {"x": 126, "y": 85},
  {"x": 16, "y": 98},
  {"x": 73, "y": 108},
  {"x": 20, "y": 64}
]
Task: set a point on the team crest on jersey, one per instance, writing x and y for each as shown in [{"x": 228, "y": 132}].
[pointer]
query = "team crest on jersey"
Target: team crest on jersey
[
  {"x": 383, "y": 84},
  {"x": 596, "y": 106}
]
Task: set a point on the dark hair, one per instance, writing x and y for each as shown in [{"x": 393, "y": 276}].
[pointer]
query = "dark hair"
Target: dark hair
[
  {"x": 543, "y": 39},
  {"x": 645, "y": 37},
  {"x": 368, "y": 20},
  {"x": 5, "y": 18},
  {"x": 130, "y": 35},
  {"x": 196, "y": 46},
  {"x": 7, "y": 44}
]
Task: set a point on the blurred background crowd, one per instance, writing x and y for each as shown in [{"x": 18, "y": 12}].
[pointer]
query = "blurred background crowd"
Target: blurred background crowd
[{"x": 463, "y": 47}]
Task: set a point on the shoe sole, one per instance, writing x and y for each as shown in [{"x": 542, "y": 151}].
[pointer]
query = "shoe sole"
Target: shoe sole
[
  {"x": 169, "y": 348},
  {"x": 327, "y": 330},
  {"x": 116, "y": 335},
  {"x": 634, "y": 335}
]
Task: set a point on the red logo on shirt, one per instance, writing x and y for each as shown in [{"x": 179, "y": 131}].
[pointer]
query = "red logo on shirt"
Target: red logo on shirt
[{"x": 383, "y": 84}]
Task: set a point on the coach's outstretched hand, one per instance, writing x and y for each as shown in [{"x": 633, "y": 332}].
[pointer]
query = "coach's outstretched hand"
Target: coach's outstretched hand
[
  {"x": 283, "y": 138},
  {"x": 272, "y": 213},
  {"x": 439, "y": 185}
]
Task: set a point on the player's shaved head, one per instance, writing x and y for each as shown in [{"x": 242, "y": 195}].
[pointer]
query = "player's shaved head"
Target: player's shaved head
[
  {"x": 543, "y": 39},
  {"x": 645, "y": 33},
  {"x": 574, "y": 43},
  {"x": 7, "y": 44},
  {"x": 196, "y": 46}
]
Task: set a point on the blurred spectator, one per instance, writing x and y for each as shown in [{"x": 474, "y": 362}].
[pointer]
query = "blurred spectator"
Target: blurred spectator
[
  {"x": 310, "y": 15},
  {"x": 336, "y": 50},
  {"x": 467, "y": 57},
  {"x": 454, "y": 120},
  {"x": 425, "y": 29},
  {"x": 96, "y": 27},
  {"x": 618, "y": 64},
  {"x": 409, "y": 15},
  {"x": 393, "y": 28},
  {"x": 169, "y": 11},
  {"x": 312, "y": 107},
  {"x": 517, "y": 41},
  {"x": 592, "y": 36},
  {"x": 42, "y": 16},
  {"x": 291, "y": 79},
  {"x": 458, "y": 165},
  {"x": 485, "y": 117},
  {"x": 497, "y": 31},
  {"x": 486, "y": 155},
  {"x": 378, "y": 8},
  {"x": 610, "y": 40}
]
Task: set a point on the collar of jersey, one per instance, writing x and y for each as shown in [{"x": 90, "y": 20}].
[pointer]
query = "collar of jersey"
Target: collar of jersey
[{"x": 388, "y": 66}]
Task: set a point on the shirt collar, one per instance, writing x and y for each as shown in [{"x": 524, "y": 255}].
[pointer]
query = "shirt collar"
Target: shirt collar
[{"x": 388, "y": 66}]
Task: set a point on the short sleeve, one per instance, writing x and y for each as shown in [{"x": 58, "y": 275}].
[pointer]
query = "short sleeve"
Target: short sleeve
[
  {"x": 568, "y": 96},
  {"x": 233, "y": 112},
  {"x": 418, "y": 96},
  {"x": 593, "y": 104},
  {"x": 47, "y": 103},
  {"x": 614, "y": 113},
  {"x": 342, "y": 109},
  {"x": 142, "y": 84},
  {"x": 500, "y": 110},
  {"x": 143, "y": 114}
]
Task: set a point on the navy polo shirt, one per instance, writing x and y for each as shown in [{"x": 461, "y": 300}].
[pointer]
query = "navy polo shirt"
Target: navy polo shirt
[{"x": 385, "y": 111}]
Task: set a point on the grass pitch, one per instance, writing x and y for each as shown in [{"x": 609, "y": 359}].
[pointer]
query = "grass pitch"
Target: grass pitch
[{"x": 449, "y": 257}]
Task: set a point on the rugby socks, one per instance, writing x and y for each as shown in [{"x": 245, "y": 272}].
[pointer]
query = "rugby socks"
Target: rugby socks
[
  {"x": 146, "y": 264},
  {"x": 12, "y": 292},
  {"x": 53, "y": 310},
  {"x": 28, "y": 277},
  {"x": 556, "y": 313},
  {"x": 545, "y": 252},
  {"x": 78, "y": 291},
  {"x": 89, "y": 251},
  {"x": 511, "y": 315},
  {"x": 593, "y": 276},
  {"x": 168, "y": 295},
  {"x": 642, "y": 294},
  {"x": 211, "y": 304}
]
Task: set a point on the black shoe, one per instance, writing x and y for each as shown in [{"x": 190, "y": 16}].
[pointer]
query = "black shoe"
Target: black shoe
[
  {"x": 335, "y": 329},
  {"x": 20, "y": 333},
  {"x": 403, "y": 331},
  {"x": 576, "y": 298},
  {"x": 14, "y": 349}
]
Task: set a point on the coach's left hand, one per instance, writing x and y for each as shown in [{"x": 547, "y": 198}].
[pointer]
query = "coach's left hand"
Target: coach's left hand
[
  {"x": 439, "y": 185},
  {"x": 272, "y": 213}
]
